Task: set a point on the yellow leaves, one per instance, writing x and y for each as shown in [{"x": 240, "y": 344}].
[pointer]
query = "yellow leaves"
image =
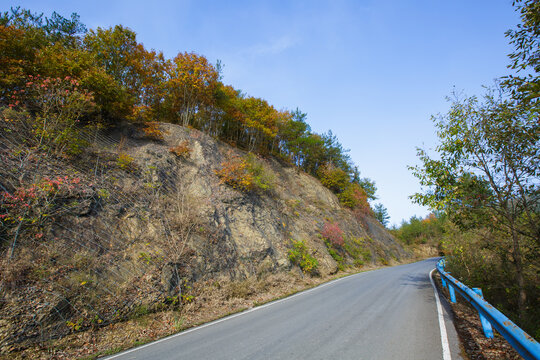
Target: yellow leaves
[
  {"x": 125, "y": 161},
  {"x": 152, "y": 131},
  {"x": 300, "y": 255},
  {"x": 191, "y": 85},
  {"x": 75, "y": 326},
  {"x": 190, "y": 69},
  {"x": 245, "y": 174}
]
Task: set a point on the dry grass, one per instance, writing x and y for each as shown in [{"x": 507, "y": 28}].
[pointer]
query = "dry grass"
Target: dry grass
[
  {"x": 213, "y": 299},
  {"x": 422, "y": 251}
]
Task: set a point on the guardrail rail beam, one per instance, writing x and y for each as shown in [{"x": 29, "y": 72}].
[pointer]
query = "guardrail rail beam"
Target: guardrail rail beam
[{"x": 490, "y": 317}]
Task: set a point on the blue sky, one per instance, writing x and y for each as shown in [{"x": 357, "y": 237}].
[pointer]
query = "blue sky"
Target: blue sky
[{"x": 371, "y": 71}]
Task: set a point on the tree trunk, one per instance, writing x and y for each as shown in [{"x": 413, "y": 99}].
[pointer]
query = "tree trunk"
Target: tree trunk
[
  {"x": 520, "y": 280},
  {"x": 178, "y": 283}
]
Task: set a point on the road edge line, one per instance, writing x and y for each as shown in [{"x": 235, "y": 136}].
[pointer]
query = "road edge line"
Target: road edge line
[
  {"x": 127, "y": 351},
  {"x": 442, "y": 326}
]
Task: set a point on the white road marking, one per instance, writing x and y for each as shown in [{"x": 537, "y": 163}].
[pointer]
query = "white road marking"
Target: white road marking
[
  {"x": 233, "y": 316},
  {"x": 444, "y": 337}
]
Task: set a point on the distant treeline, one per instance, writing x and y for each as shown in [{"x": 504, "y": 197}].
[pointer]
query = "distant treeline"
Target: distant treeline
[{"x": 126, "y": 81}]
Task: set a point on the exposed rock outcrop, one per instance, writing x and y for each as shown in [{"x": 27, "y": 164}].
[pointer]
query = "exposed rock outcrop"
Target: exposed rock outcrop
[{"x": 152, "y": 223}]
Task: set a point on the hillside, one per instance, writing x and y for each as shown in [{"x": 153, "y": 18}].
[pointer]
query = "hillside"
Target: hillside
[
  {"x": 130, "y": 227},
  {"x": 140, "y": 191}
]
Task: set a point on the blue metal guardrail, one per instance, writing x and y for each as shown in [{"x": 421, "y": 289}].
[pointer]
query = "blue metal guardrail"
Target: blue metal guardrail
[{"x": 490, "y": 317}]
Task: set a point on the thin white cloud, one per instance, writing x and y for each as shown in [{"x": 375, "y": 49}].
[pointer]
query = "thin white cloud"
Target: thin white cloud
[{"x": 272, "y": 47}]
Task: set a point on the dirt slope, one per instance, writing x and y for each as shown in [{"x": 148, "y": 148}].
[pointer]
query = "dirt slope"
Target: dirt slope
[{"x": 129, "y": 228}]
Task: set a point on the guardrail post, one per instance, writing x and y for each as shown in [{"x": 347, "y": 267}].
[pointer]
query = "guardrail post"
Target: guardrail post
[
  {"x": 452, "y": 293},
  {"x": 524, "y": 344},
  {"x": 486, "y": 325},
  {"x": 443, "y": 282}
]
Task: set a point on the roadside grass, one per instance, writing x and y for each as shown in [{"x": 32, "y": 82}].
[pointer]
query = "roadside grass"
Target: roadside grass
[
  {"x": 255, "y": 304},
  {"x": 146, "y": 328}
]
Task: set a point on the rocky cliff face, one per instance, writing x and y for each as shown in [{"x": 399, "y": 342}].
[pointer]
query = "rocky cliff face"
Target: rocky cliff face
[
  {"x": 252, "y": 232},
  {"x": 147, "y": 224}
]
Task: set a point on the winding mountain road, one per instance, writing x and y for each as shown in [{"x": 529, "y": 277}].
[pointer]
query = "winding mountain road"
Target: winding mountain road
[{"x": 389, "y": 313}]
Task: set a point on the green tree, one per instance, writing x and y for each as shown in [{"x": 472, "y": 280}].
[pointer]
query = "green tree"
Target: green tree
[
  {"x": 429, "y": 230},
  {"x": 381, "y": 214},
  {"x": 486, "y": 173},
  {"x": 138, "y": 75},
  {"x": 369, "y": 187},
  {"x": 526, "y": 55},
  {"x": 291, "y": 134},
  {"x": 64, "y": 31},
  {"x": 17, "y": 57},
  {"x": 335, "y": 153},
  {"x": 113, "y": 49}
]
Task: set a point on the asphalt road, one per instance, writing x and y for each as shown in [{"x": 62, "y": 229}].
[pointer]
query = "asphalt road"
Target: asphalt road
[{"x": 389, "y": 313}]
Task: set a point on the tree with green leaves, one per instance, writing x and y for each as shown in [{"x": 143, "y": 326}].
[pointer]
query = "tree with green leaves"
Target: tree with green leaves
[
  {"x": 381, "y": 214},
  {"x": 128, "y": 82},
  {"x": 526, "y": 56},
  {"x": 487, "y": 170},
  {"x": 487, "y": 173}
]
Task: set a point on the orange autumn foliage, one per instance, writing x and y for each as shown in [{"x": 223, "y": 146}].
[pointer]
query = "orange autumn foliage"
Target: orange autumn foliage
[
  {"x": 182, "y": 149},
  {"x": 152, "y": 131}
]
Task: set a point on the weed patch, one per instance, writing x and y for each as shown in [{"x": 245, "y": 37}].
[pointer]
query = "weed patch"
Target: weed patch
[
  {"x": 300, "y": 255},
  {"x": 246, "y": 174}
]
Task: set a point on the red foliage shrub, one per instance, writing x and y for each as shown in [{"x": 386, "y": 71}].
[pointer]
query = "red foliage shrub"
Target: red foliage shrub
[
  {"x": 33, "y": 206},
  {"x": 58, "y": 105},
  {"x": 362, "y": 208},
  {"x": 333, "y": 233}
]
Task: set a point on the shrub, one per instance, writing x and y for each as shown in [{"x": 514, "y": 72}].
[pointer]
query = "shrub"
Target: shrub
[
  {"x": 470, "y": 257},
  {"x": 300, "y": 255},
  {"x": 358, "y": 250},
  {"x": 333, "y": 178},
  {"x": 152, "y": 130},
  {"x": 355, "y": 197},
  {"x": 58, "y": 106},
  {"x": 125, "y": 161},
  {"x": 234, "y": 173},
  {"x": 19, "y": 206},
  {"x": 263, "y": 179},
  {"x": 358, "y": 262},
  {"x": 246, "y": 174},
  {"x": 240, "y": 289},
  {"x": 181, "y": 150},
  {"x": 332, "y": 232},
  {"x": 141, "y": 113},
  {"x": 26, "y": 211},
  {"x": 335, "y": 255},
  {"x": 421, "y": 231}
]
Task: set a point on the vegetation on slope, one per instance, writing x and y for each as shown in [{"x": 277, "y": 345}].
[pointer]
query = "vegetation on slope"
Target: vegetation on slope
[
  {"x": 108, "y": 212},
  {"x": 485, "y": 180},
  {"x": 120, "y": 79}
]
